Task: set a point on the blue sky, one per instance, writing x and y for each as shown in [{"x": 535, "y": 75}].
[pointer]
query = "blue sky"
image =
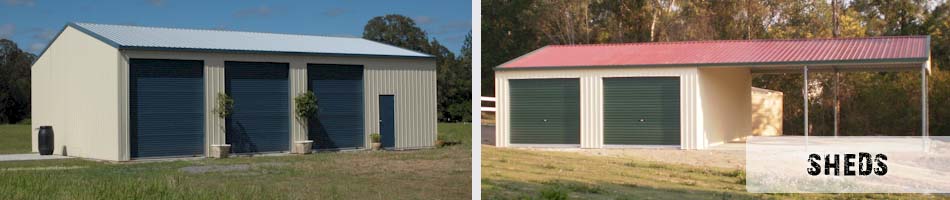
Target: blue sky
[{"x": 33, "y": 23}]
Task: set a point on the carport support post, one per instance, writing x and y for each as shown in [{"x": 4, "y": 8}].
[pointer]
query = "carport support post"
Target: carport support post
[
  {"x": 837, "y": 103},
  {"x": 923, "y": 107},
  {"x": 805, "y": 99}
]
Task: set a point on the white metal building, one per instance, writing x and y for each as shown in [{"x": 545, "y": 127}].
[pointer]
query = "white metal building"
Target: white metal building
[
  {"x": 116, "y": 92},
  {"x": 689, "y": 95}
]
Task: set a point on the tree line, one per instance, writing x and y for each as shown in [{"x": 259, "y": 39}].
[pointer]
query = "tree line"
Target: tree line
[
  {"x": 871, "y": 103},
  {"x": 453, "y": 71}
]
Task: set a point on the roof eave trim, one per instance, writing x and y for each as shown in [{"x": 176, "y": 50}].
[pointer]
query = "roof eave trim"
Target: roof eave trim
[
  {"x": 763, "y": 64},
  {"x": 269, "y": 52},
  {"x": 501, "y": 66},
  {"x": 119, "y": 46}
]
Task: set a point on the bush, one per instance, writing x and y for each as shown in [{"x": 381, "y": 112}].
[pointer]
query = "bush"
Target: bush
[
  {"x": 374, "y": 137},
  {"x": 306, "y": 104},
  {"x": 225, "y": 105}
]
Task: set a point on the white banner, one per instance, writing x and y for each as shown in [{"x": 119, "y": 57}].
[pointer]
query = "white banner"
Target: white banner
[{"x": 824, "y": 164}]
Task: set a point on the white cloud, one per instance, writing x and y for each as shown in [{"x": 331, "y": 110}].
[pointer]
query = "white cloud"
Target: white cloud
[
  {"x": 334, "y": 12},
  {"x": 156, "y": 2},
  {"x": 261, "y": 11},
  {"x": 37, "y": 47},
  {"x": 20, "y": 2},
  {"x": 423, "y": 19},
  {"x": 6, "y": 30}
]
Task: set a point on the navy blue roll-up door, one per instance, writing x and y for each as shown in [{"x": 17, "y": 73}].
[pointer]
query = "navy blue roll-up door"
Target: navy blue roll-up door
[
  {"x": 166, "y": 114},
  {"x": 339, "y": 120},
  {"x": 387, "y": 121},
  {"x": 261, "y": 118}
]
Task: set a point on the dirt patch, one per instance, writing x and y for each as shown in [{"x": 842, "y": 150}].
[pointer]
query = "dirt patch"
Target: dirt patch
[{"x": 730, "y": 158}]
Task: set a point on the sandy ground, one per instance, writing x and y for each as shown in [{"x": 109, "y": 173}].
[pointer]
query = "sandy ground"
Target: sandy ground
[{"x": 731, "y": 155}]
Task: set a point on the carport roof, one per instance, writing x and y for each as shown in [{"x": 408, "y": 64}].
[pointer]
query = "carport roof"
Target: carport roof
[
  {"x": 156, "y": 38},
  {"x": 880, "y": 52}
]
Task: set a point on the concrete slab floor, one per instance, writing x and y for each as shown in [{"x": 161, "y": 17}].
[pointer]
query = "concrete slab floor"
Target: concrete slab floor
[{"x": 29, "y": 156}]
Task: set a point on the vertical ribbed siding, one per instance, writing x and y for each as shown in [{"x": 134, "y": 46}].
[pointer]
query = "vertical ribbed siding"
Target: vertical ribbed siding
[
  {"x": 592, "y": 100},
  {"x": 413, "y": 85},
  {"x": 591, "y": 109},
  {"x": 413, "y": 81},
  {"x": 214, "y": 84},
  {"x": 298, "y": 85}
]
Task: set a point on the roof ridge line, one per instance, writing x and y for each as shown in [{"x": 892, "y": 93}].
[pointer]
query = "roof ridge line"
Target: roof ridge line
[
  {"x": 733, "y": 41},
  {"x": 216, "y": 30}
]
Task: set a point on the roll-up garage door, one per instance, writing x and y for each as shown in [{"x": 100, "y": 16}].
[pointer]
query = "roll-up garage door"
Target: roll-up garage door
[
  {"x": 642, "y": 111},
  {"x": 339, "y": 120},
  {"x": 166, "y": 108},
  {"x": 544, "y": 111},
  {"x": 261, "y": 118}
]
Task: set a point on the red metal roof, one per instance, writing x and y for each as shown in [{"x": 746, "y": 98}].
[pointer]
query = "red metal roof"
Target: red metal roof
[{"x": 727, "y": 52}]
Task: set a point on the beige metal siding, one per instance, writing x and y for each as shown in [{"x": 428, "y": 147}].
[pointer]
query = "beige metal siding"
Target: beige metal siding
[
  {"x": 592, "y": 99},
  {"x": 725, "y": 96},
  {"x": 411, "y": 80},
  {"x": 75, "y": 90},
  {"x": 766, "y": 112}
]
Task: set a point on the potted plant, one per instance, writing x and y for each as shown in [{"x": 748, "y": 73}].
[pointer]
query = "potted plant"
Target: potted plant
[
  {"x": 305, "y": 105},
  {"x": 224, "y": 108},
  {"x": 376, "y": 138}
]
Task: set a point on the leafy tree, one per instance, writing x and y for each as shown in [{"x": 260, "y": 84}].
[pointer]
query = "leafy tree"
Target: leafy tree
[{"x": 14, "y": 82}]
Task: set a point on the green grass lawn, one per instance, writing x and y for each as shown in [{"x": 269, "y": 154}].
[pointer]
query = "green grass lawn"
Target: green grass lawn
[
  {"x": 15, "y": 138},
  {"x": 442, "y": 173},
  {"x": 524, "y": 174}
]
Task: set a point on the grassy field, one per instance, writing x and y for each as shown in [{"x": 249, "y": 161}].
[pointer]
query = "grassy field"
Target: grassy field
[
  {"x": 15, "y": 138},
  {"x": 525, "y": 174},
  {"x": 442, "y": 173}
]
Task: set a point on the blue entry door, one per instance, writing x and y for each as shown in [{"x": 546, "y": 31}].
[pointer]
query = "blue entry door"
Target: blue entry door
[
  {"x": 260, "y": 121},
  {"x": 387, "y": 121}
]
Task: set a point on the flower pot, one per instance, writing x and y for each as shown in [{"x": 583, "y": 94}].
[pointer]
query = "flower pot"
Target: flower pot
[
  {"x": 377, "y": 146},
  {"x": 220, "y": 150},
  {"x": 302, "y": 147}
]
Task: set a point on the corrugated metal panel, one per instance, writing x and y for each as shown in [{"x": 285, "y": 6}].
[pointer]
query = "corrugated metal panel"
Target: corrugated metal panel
[
  {"x": 259, "y": 122},
  {"x": 642, "y": 111},
  {"x": 175, "y": 38},
  {"x": 413, "y": 85},
  {"x": 867, "y": 50},
  {"x": 412, "y": 81},
  {"x": 75, "y": 88},
  {"x": 339, "y": 120},
  {"x": 166, "y": 110},
  {"x": 591, "y": 89},
  {"x": 544, "y": 111}
]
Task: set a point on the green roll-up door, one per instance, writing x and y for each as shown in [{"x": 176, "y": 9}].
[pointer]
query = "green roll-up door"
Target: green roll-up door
[
  {"x": 642, "y": 111},
  {"x": 545, "y": 111}
]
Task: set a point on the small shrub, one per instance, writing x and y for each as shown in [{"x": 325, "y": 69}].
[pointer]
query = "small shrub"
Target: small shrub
[
  {"x": 554, "y": 193},
  {"x": 225, "y": 105},
  {"x": 306, "y": 105},
  {"x": 374, "y": 137}
]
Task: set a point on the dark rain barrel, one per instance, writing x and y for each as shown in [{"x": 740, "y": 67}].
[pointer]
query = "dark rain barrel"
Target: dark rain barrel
[{"x": 45, "y": 140}]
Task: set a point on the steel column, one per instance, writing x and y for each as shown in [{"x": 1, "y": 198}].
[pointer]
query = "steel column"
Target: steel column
[
  {"x": 837, "y": 103},
  {"x": 805, "y": 98}
]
